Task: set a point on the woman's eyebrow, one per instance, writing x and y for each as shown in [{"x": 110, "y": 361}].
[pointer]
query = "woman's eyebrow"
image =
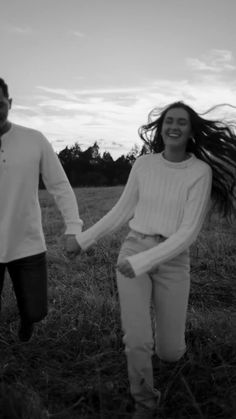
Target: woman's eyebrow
[{"x": 179, "y": 119}]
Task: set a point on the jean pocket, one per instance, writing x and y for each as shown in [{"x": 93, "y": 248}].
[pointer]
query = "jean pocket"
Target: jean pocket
[{"x": 132, "y": 235}]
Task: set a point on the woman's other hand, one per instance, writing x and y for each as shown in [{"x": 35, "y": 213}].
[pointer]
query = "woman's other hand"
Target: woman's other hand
[{"x": 126, "y": 269}]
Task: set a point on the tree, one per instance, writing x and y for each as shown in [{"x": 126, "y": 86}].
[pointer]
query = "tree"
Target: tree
[
  {"x": 122, "y": 169},
  {"x": 89, "y": 168},
  {"x": 108, "y": 168},
  {"x": 67, "y": 155},
  {"x": 92, "y": 153},
  {"x": 106, "y": 157},
  {"x": 144, "y": 149},
  {"x": 133, "y": 154}
]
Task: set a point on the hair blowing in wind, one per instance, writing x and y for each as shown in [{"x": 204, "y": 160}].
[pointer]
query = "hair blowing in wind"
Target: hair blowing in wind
[{"x": 213, "y": 141}]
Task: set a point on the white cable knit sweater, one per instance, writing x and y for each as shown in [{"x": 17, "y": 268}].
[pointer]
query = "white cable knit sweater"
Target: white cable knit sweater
[{"x": 160, "y": 197}]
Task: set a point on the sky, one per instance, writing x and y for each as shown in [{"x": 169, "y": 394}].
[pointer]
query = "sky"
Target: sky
[{"x": 92, "y": 70}]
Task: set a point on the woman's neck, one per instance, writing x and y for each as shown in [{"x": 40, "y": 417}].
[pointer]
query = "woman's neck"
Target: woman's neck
[{"x": 175, "y": 156}]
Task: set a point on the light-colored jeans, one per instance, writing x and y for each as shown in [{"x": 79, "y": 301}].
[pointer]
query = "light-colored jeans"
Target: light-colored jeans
[{"x": 167, "y": 288}]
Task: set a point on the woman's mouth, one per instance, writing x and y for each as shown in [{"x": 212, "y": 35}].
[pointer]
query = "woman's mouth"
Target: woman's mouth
[{"x": 174, "y": 135}]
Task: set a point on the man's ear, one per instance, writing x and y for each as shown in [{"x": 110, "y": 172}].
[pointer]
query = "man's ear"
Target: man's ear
[{"x": 10, "y": 103}]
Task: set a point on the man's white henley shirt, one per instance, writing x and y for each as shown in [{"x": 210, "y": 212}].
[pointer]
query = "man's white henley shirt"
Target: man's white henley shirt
[{"x": 24, "y": 154}]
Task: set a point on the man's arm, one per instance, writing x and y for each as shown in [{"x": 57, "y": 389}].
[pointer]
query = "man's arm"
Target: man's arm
[{"x": 58, "y": 185}]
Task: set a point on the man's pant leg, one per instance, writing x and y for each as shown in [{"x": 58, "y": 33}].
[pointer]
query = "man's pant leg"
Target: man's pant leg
[
  {"x": 2, "y": 275},
  {"x": 29, "y": 277}
]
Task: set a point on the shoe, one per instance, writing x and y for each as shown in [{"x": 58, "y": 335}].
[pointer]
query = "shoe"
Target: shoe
[
  {"x": 25, "y": 331},
  {"x": 147, "y": 408},
  {"x": 144, "y": 413}
]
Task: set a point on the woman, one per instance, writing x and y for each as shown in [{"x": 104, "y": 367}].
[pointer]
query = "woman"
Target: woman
[{"x": 165, "y": 200}]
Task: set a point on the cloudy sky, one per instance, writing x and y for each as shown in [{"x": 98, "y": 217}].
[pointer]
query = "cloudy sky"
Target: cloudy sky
[{"x": 87, "y": 70}]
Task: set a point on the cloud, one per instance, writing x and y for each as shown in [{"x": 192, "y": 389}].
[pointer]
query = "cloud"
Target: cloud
[
  {"x": 216, "y": 61},
  {"x": 66, "y": 93},
  {"x": 199, "y": 65},
  {"x": 83, "y": 92},
  {"x": 115, "y": 114},
  {"x": 18, "y": 30},
  {"x": 22, "y": 108},
  {"x": 116, "y": 144},
  {"x": 77, "y": 34}
]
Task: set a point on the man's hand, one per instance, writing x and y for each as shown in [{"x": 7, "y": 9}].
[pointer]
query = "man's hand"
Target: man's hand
[
  {"x": 71, "y": 246},
  {"x": 126, "y": 269}
]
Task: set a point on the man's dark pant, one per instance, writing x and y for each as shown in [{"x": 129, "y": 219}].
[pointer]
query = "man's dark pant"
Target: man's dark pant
[{"x": 29, "y": 278}]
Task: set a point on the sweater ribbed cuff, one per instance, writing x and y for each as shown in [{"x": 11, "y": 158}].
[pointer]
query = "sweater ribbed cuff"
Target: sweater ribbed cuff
[
  {"x": 84, "y": 241},
  {"x": 74, "y": 228}
]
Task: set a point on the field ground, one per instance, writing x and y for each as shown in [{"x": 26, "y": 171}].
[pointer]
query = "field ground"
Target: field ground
[{"x": 75, "y": 367}]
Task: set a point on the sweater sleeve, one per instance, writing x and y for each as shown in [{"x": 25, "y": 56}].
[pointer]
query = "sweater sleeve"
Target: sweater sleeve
[
  {"x": 194, "y": 214},
  {"x": 58, "y": 185},
  {"x": 117, "y": 216}
]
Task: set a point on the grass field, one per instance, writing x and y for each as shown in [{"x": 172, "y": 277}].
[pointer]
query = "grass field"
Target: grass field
[{"x": 75, "y": 367}]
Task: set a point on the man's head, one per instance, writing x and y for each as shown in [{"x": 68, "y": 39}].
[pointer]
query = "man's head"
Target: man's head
[{"x": 5, "y": 106}]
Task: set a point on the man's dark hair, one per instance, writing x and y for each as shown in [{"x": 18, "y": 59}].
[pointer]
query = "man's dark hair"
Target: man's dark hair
[{"x": 4, "y": 88}]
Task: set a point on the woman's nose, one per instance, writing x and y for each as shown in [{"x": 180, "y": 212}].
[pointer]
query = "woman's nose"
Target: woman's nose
[{"x": 174, "y": 125}]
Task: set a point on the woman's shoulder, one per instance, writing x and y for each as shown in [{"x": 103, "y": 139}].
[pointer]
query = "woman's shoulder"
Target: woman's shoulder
[
  {"x": 147, "y": 158},
  {"x": 203, "y": 166}
]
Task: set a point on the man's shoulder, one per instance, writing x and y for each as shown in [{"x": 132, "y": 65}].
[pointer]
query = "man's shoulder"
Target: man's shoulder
[{"x": 26, "y": 130}]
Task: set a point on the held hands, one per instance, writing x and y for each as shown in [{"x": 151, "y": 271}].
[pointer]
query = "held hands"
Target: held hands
[
  {"x": 126, "y": 269},
  {"x": 72, "y": 249},
  {"x": 71, "y": 246}
]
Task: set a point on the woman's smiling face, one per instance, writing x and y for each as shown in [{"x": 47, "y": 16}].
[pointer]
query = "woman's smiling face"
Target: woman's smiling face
[{"x": 176, "y": 128}]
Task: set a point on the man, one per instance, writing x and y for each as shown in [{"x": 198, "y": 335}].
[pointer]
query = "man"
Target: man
[{"x": 24, "y": 155}]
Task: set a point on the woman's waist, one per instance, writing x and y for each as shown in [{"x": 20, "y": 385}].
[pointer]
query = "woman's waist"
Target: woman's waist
[
  {"x": 147, "y": 241},
  {"x": 154, "y": 236},
  {"x": 146, "y": 229}
]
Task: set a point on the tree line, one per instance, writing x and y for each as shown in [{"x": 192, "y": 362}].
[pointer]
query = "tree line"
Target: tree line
[{"x": 90, "y": 168}]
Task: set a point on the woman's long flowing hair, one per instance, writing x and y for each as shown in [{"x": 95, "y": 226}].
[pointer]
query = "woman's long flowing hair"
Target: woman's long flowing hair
[{"x": 213, "y": 141}]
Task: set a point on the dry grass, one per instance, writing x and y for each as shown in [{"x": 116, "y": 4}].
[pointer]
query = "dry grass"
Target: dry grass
[{"x": 75, "y": 366}]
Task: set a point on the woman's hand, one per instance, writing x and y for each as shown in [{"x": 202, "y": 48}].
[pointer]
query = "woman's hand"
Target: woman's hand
[
  {"x": 72, "y": 247},
  {"x": 126, "y": 269}
]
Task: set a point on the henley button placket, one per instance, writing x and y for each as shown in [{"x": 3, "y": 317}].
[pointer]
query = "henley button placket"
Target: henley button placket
[{"x": 2, "y": 151}]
